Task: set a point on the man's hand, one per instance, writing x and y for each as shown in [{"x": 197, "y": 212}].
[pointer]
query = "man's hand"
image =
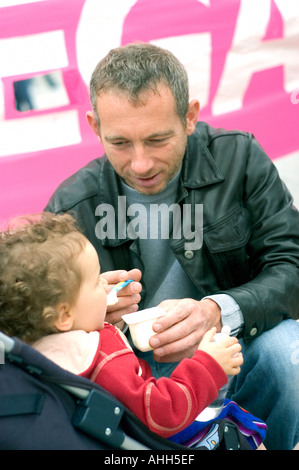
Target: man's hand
[
  {"x": 181, "y": 330},
  {"x": 129, "y": 296}
]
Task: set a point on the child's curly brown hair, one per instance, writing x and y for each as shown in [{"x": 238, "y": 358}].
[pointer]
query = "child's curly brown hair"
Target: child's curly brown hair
[{"x": 38, "y": 270}]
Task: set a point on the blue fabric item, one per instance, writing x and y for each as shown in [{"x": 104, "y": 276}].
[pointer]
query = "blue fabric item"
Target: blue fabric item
[{"x": 254, "y": 429}]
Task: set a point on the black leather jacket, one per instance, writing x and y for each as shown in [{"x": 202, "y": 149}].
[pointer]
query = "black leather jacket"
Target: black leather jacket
[{"x": 251, "y": 229}]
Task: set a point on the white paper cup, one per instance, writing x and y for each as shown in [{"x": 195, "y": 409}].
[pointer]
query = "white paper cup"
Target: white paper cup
[{"x": 140, "y": 324}]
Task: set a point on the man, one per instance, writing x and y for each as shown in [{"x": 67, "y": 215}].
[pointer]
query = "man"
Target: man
[{"x": 231, "y": 252}]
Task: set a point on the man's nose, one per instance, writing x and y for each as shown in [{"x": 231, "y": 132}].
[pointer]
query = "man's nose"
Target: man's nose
[{"x": 142, "y": 163}]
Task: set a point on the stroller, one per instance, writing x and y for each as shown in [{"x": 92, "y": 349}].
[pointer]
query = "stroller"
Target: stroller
[{"x": 44, "y": 407}]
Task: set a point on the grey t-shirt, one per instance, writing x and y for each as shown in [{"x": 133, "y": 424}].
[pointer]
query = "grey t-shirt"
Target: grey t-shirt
[{"x": 160, "y": 266}]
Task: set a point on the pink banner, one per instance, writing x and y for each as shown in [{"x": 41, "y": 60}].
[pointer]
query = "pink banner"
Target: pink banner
[{"x": 242, "y": 57}]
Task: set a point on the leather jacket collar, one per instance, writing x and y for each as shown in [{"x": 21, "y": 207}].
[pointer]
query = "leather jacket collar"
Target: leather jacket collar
[{"x": 198, "y": 169}]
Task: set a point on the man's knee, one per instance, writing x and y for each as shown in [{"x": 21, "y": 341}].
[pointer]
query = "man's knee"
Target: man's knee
[{"x": 276, "y": 353}]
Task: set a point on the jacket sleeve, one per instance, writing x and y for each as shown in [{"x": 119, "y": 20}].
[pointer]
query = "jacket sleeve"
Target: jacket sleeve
[
  {"x": 165, "y": 405},
  {"x": 273, "y": 249}
]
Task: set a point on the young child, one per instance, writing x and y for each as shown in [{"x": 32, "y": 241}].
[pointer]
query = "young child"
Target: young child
[{"x": 53, "y": 297}]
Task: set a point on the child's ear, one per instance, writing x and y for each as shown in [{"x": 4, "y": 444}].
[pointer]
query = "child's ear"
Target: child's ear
[{"x": 64, "y": 321}]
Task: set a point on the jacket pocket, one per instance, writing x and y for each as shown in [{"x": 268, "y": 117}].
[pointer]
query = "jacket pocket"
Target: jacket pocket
[
  {"x": 226, "y": 242},
  {"x": 229, "y": 233}
]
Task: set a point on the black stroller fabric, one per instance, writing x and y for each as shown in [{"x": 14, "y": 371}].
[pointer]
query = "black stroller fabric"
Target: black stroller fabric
[{"x": 39, "y": 410}]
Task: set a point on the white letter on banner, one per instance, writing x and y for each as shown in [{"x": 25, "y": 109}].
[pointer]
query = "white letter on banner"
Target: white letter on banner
[
  {"x": 54, "y": 129},
  {"x": 100, "y": 29},
  {"x": 194, "y": 52},
  {"x": 28, "y": 53},
  {"x": 250, "y": 54}
]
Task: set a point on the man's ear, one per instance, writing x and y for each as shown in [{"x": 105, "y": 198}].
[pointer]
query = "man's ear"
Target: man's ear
[
  {"x": 192, "y": 116},
  {"x": 64, "y": 321},
  {"x": 92, "y": 122}
]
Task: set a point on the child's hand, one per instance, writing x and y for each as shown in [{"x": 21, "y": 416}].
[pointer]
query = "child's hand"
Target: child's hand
[{"x": 226, "y": 352}]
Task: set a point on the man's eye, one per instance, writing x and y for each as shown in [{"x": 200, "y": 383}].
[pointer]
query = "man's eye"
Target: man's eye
[
  {"x": 157, "y": 141},
  {"x": 120, "y": 143}
]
